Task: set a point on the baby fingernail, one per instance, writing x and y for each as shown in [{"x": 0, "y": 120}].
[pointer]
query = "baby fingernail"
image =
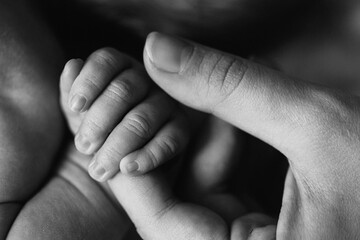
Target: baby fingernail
[
  {"x": 77, "y": 103},
  {"x": 82, "y": 144},
  {"x": 131, "y": 167},
  {"x": 97, "y": 171}
]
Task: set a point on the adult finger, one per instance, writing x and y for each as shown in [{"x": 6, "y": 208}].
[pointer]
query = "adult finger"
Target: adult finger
[{"x": 288, "y": 114}]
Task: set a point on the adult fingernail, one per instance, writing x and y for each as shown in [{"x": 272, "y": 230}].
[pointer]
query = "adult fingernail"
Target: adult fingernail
[
  {"x": 167, "y": 53},
  {"x": 77, "y": 103},
  {"x": 82, "y": 144},
  {"x": 131, "y": 167},
  {"x": 97, "y": 171}
]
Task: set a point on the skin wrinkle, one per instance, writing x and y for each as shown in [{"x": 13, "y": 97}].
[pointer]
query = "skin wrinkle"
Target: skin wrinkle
[
  {"x": 187, "y": 68},
  {"x": 187, "y": 56},
  {"x": 120, "y": 90},
  {"x": 106, "y": 59},
  {"x": 109, "y": 157},
  {"x": 92, "y": 200},
  {"x": 154, "y": 159},
  {"x": 226, "y": 83},
  {"x": 169, "y": 204},
  {"x": 70, "y": 181},
  {"x": 91, "y": 82},
  {"x": 93, "y": 130},
  {"x": 139, "y": 124},
  {"x": 212, "y": 72},
  {"x": 234, "y": 87},
  {"x": 82, "y": 165}
]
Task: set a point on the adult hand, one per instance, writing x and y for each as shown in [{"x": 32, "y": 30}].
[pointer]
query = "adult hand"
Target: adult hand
[{"x": 315, "y": 127}]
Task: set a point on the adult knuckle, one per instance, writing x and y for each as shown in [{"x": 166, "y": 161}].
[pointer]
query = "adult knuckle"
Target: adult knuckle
[
  {"x": 228, "y": 73},
  {"x": 217, "y": 70},
  {"x": 120, "y": 90},
  {"x": 222, "y": 73},
  {"x": 138, "y": 123}
]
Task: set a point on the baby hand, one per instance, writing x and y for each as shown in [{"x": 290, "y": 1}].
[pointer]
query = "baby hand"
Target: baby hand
[{"x": 119, "y": 115}]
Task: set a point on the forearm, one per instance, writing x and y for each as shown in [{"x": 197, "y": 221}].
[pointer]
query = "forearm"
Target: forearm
[{"x": 30, "y": 119}]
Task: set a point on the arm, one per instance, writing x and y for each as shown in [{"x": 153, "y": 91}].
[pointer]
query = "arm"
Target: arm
[
  {"x": 69, "y": 205},
  {"x": 30, "y": 119}
]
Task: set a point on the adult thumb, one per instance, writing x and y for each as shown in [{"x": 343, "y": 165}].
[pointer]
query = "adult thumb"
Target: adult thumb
[{"x": 261, "y": 101}]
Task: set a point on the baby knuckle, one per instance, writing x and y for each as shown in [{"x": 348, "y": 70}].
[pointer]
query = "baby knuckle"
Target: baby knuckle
[
  {"x": 168, "y": 145},
  {"x": 110, "y": 156},
  {"x": 107, "y": 57},
  {"x": 91, "y": 82},
  {"x": 138, "y": 124},
  {"x": 92, "y": 130},
  {"x": 153, "y": 157},
  {"x": 120, "y": 91},
  {"x": 163, "y": 149}
]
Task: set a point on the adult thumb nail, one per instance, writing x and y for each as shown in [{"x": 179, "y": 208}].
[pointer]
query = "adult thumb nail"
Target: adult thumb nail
[{"x": 167, "y": 53}]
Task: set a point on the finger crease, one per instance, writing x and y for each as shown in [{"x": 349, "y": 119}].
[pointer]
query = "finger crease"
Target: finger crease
[{"x": 170, "y": 203}]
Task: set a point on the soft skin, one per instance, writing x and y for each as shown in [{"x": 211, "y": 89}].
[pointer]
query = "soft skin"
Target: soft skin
[
  {"x": 71, "y": 205},
  {"x": 119, "y": 115},
  {"x": 31, "y": 127},
  {"x": 315, "y": 127},
  {"x": 37, "y": 200}
]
